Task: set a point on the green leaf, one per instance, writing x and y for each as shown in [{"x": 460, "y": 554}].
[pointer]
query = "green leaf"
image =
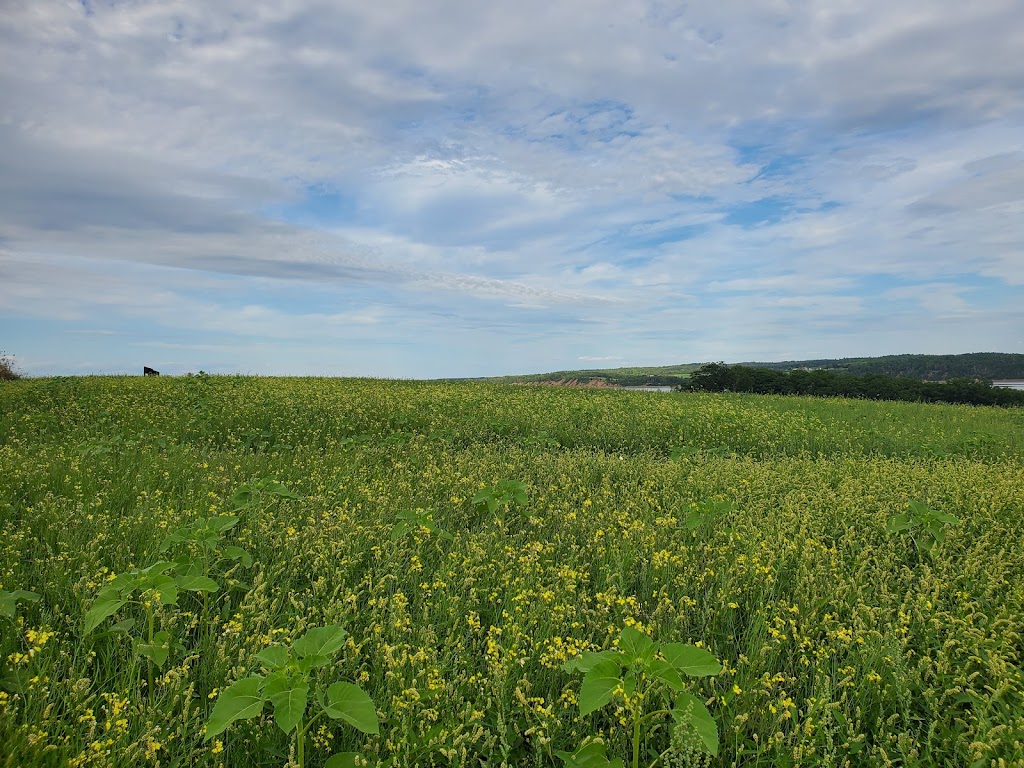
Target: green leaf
[
  {"x": 342, "y": 760},
  {"x": 321, "y": 641},
  {"x": 635, "y": 645},
  {"x": 591, "y": 755},
  {"x": 899, "y": 523},
  {"x": 222, "y": 523},
  {"x": 8, "y": 599},
  {"x": 589, "y": 660},
  {"x": 694, "y": 520},
  {"x": 170, "y": 540},
  {"x": 240, "y": 701},
  {"x": 188, "y": 566},
  {"x": 157, "y": 651},
  {"x": 401, "y": 529},
  {"x": 124, "y": 626},
  {"x": 691, "y": 710},
  {"x": 665, "y": 672},
  {"x": 197, "y": 583},
  {"x": 289, "y": 699},
  {"x": 919, "y": 509},
  {"x": 156, "y": 568},
  {"x": 599, "y": 685},
  {"x": 690, "y": 660},
  {"x": 101, "y": 609},
  {"x": 351, "y": 703},
  {"x": 239, "y": 554},
  {"x": 279, "y": 490},
  {"x": 167, "y": 587},
  {"x": 309, "y": 663},
  {"x": 273, "y": 657}
]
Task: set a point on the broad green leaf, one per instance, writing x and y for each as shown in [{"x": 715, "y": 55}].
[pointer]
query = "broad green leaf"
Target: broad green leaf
[
  {"x": 352, "y": 704},
  {"x": 170, "y": 540},
  {"x": 589, "y": 660},
  {"x": 310, "y": 663},
  {"x": 222, "y": 523},
  {"x": 635, "y": 645},
  {"x": 188, "y": 566},
  {"x": 899, "y": 523},
  {"x": 240, "y": 701},
  {"x": 197, "y": 583},
  {"x": 123, "y": 626},
  {"x": 599, "y": 685},
  {"x": 167, "y": 587},
  {"x": 239, "y": 554},
  {"x": 273, "y": 657},
  {"x": 289, "y": 699},
  {"x": 920, "y": 509},
  {"x": 665, "y": 672},
  {"x": 156, "y": 568},
  {"x": 8, "y": 599},
  {"x": 690, "y": 660},
  {"x": 943, "y": 517},
  {"x": 401, "y": 528},
  {"x": 157, "y": 651},
  {"x": 694, "y": 520},
  {"x": 342, "y": 760},
  {"x": 590, "y": 756},
  {"x": 241, "y": 498},
  {"x": 101, "y": 609},
  {"x": 691, "y": 710},
  {"x": 321, "y": 641}
]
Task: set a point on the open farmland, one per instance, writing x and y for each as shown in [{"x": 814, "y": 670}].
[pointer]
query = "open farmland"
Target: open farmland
[{"x": 473, "y": 538}]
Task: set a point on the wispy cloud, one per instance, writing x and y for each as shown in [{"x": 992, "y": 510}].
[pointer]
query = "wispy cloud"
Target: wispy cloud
[{"x": 411, "y": 189}]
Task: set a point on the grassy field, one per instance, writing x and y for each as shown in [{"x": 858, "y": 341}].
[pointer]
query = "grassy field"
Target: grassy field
[{"x": 471, "y": 539}]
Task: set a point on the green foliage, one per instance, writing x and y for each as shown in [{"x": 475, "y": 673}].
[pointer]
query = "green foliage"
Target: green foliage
[
  {"x": 259, "y": 492},
  {"x": 927, "y": 527},
  {"x": 717, "y": 377},
  {"x": 8, "y": 601},
  {"x": 504, "y": 493},
  {"x": 8, "y": 371},
  {"x": 202, "y": 538},
  {"x": 286, "y": 686},
  {"x": 411, "y": 520},
  {"x": 706, "y": 512},
  {"x": 589, "y": 755},
  {"x": 639, "y": 668}
]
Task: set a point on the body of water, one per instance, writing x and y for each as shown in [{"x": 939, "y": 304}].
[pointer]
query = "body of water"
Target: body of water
[
  {"x": 1010, "y": 384},
  {"x": 656, "y": 389}
]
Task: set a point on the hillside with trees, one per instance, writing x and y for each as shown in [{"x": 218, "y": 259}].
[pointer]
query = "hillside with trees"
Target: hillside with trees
[
  {"x": 717, "y": 377},
  {"x": 976, "y": 365}
]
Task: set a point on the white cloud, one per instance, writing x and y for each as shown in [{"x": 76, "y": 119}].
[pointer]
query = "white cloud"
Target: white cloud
[{"x": 523, "y": 173}]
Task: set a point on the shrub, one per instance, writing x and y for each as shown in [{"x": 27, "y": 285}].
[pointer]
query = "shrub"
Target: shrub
[{"x": 7, "y": 370}]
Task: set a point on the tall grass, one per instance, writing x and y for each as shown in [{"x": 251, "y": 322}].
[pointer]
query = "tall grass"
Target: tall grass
[{"x": 841, "y": 642}]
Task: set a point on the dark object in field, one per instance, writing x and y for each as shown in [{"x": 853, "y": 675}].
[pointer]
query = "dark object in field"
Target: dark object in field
[{"x": 147, "y": 371}]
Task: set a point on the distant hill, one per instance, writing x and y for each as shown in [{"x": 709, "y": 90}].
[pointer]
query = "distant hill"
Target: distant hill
[
  {"x": 666, "y": 375},
  {"x": 976, "y": 365}
]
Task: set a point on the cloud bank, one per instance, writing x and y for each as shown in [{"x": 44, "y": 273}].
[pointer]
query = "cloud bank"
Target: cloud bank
[{"x": 402, "y": 189}]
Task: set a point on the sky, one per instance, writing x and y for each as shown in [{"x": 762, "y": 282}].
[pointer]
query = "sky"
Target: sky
[{"x": 471, "y": 188}]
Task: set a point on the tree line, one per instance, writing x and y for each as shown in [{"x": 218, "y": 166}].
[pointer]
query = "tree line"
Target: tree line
[
  {"x": 974, "y": 365},
  {"x": 718, "y": 377}
]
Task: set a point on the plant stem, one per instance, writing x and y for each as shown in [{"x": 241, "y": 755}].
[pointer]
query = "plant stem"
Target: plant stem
[
  {"x": 637, "y": 719},
  {"x": 149, "y": 661},
  {"x": 300, "y": 735}
]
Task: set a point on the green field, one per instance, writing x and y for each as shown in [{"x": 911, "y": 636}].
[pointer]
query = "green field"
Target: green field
[{"x": 757, "y": 528}]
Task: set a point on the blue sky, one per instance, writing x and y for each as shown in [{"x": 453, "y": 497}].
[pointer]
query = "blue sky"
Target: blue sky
[{"x": 410, "y": 189}]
